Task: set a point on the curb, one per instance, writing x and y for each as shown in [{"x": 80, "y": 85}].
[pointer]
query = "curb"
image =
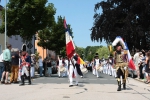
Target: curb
[{"x": 140, "y": 80}]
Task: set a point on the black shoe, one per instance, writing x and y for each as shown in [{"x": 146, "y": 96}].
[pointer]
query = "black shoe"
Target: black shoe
[
  {"x": 29, "y": 79},
  {"x": 2, "y": 82},
  {"x": 22, "y": 80},
  {"x": 70, "y": 85},
  {"x": 15, "y": 82},
  {"x": 119, "y": 88},
  {"x": 124, "y": 86}
]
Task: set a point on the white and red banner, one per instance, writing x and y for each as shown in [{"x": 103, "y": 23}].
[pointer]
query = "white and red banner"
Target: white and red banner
[{"x": 70, "y": 47}]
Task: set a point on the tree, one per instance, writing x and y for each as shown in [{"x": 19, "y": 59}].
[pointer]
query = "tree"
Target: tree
[
  {"x": 80, "y": 51},
  {"x": 126, "y": 18},
  {"x": 26, "y": 17},
  {"x": 103, "y": 52},
  {"x": 53, "y": 38},
  {"x": 91, "y": 50}
]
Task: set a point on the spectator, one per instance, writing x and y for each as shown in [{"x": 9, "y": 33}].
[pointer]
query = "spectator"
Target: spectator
[
  {"x": 147, "y": 68},
  {"x": 136, "y": 59},
  {"x": 49, "y": 66},
  {"x": 15, "y": 66},
  {"x": 7, "y": 60},
  {"x": 1, "y": 65},
  {"x": 40, "y": 65},
  {"x": 25, "y": 63},
  {"x": 32, "y": 70}
]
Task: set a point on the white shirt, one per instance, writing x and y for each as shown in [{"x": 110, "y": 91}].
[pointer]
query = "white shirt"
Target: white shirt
[
  {"x": 40, "y": 62},
  {"x": 60, "y": 62},
  {"x": 1, "y": 57},
  {"x": 66, "y": 62},
  {"x": 97, "y": 62}
]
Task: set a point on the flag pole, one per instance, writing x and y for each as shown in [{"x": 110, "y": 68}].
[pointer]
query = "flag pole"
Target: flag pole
[{"x": 5, "y": 23}]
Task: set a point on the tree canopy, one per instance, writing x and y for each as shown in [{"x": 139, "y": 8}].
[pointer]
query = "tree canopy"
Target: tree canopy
[
  {"x": 129, "y": 19},
  {"x": 53, "y": 38},
  {"x": 26, "y": 17}
]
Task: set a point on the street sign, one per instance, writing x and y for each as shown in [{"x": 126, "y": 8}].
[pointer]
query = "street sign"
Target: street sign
[{"x": 30, "y": 45}]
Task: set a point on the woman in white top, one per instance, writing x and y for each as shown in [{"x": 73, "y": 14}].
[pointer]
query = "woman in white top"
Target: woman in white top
[{"x": 40, "y": 61}]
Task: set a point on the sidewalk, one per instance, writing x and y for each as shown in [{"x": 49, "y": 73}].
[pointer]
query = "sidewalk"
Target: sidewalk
[{"x": 135, "y": 91}]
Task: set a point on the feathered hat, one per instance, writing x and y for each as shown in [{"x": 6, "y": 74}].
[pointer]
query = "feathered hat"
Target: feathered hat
[{"x": 119, "y": 42}]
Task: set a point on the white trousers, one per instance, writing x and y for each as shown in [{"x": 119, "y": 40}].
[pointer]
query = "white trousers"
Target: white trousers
[
  {"x": 24, "y": 71},
  {"x": 107, "y": 68},
  {"x": 104, "y": 69},
  {"x": 94, "y": 71},
  {"x": 97, "y": 72},
  {"x": 114, "y": 72},
  {"x": 32, "y": 71},
  {"x": 71, "y": 70},
  {"x": 19, "y": 75}
]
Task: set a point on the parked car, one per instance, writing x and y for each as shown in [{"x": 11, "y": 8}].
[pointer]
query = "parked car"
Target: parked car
[{"x": 132, "y": 73}]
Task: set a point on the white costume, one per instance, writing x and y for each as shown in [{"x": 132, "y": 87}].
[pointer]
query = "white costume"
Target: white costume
[
  {"x": 93, "y": 69},
  {"x": 59, "y": 66},
  {"x": 104, "y": 66},
  {"x": 71, "y": 71},
  {"x": 66, "y": 67},
  {"x": 97, "y": 63}
]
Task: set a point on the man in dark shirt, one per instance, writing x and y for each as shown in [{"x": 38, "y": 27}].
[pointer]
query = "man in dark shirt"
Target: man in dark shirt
[{"x": 15, "y": 66}]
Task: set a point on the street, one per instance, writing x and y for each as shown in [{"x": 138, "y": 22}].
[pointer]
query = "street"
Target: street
[{"x": 90, "y": 88}]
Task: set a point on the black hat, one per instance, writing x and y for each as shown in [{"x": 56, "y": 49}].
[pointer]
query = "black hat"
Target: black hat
[
  {"x": 96, "y": 55},
  {"x": 110, "y": 56}
]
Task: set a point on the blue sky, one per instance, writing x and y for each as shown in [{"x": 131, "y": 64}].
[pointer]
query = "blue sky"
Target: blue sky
[{"x": 78, "y": 13}]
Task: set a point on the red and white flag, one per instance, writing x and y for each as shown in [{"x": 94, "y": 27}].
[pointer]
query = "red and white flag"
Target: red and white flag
[{"x": 70, "y": 47}]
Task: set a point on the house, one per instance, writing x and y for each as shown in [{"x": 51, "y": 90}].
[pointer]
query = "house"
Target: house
[
  {"x": 16, "y": 41},
  {"x": 2, "y": 36},
  {"x": 43, "y": 52}
]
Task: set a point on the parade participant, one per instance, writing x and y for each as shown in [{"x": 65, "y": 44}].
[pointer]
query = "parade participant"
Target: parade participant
[
  {"x": 110, "y": 65},
  {"x": 97, "y": 63},
  {"x": 77, "y": 64},
  {"x": 60, "y": 64},
  {"x": 93, "y": 67},
  {"x": 25, "y": 67},
  {"x": 66, "y": 66},
  {"x": 121, "y": 65},
  {"x": 73, "y": 71},
  {"x": 104, "y": 65}
]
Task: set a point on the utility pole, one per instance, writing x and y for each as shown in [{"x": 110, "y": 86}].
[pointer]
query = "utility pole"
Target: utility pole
[{"x": 5, "y": 23}]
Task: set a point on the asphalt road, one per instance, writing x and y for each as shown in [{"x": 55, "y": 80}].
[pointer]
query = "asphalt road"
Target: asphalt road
[{"x": 89, "y": 78}]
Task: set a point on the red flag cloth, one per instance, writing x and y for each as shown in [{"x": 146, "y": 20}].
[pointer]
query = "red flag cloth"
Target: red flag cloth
[
  {"x": 70, "y": 47},
  {"x": 73, "y": 75}
]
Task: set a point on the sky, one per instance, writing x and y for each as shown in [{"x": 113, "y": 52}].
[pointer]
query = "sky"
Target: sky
[{"x": 79, "y": 14}]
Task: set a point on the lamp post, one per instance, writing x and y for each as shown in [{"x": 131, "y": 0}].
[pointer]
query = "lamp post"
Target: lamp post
[{"x": 5, "y": 23}]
